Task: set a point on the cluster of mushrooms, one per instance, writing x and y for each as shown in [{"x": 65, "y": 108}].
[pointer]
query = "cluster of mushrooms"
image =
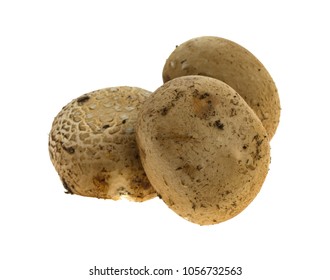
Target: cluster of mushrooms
[{"x": 200, "y": 142}]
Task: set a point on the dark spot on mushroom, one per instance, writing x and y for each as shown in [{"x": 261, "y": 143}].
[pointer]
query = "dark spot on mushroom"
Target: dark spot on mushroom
[
  {"x": 141, "y": 182},
  {"x": 178, "y": 95},
  {"x": 218, "y": 124},
  {"x": 204, "y": 95},
  {"x": 82, "y": 99},
  {"x": 164, "y": 111},
  {"x": 244, "y": 147},
  {"x": 195, "y": 93},
  {"x": 183, "y": 61},
  {"x": 69, "y": 150},
  {"x": 202, "y": 74},
  {"x": 136, "y": 156},
  {"x": 66, "y": 186},
  {"x": 233, "y": 112},
  {"x": 105, "y": 126},
  {"x": 159, "y": 196},
  {"x": 259, "y": 69},
  {"x": 256, "y": 155},
  {"x": 124, "y": 121},
  {"x": 250, "y": 167},
  {"x": 199, "y": 167}
]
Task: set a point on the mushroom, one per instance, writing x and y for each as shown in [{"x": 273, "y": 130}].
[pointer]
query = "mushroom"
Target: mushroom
[
  {"x": 93, "y": 148},
  {"x": 231, "y": 63},
  {"x": 203, "y": 148}
]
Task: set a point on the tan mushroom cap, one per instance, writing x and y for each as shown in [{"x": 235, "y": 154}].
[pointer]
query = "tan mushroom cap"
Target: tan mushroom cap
[
  {"x": 93, "y": 148},
  {"x": 233, "y": 64},
  {"x": 203, "y": 148}
]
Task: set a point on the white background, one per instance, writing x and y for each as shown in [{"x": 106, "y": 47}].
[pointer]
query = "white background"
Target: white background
[{"x": 54, "y": 51}]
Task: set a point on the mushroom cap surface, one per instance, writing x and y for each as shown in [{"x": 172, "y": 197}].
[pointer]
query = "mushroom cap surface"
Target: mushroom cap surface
[
  {"x": 93, "y": 148},
  {"x": 233, "y": 64},
  {"x": 203, "y": 148}
]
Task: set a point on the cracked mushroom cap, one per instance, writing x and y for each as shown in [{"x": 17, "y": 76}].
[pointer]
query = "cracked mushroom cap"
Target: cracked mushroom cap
[
  {"x": 237, "y": 67},
  {"x": 203, "y": 148},
  {"x": 93, "y": 148}
]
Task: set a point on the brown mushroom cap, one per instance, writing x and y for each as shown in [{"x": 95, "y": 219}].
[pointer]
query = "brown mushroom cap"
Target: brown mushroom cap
[
  {"x": 231, "y": 63},
  {"x": 203, "y": 148},
  {"x": 93, "y": 148}
]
